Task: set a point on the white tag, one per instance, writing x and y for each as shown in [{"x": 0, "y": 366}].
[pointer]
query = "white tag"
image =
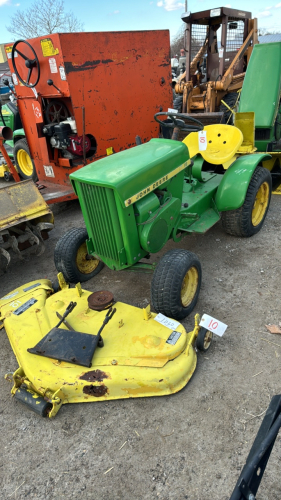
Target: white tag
[
  {"x": 49, "y": 171},
  {"x": 15, "y": 80},
  {"x": 221, "y": 53},
  {"x": 202, "y": 138},
  {"x": 62, "y": 73},
  {"x": 34, "y": 91},
  {"x": 212, "y": 324},
  {"x": 53, "y": 65},
  {"x": 215, "y": 12},
  {"x": 171, "y": 110},
  {"x": 169, "y": 323}
]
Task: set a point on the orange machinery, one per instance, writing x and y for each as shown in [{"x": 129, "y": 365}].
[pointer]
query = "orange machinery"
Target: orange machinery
[{"x": 82, "y": 96}]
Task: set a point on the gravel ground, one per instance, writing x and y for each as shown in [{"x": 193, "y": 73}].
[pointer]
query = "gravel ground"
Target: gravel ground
[{"x": 191, "y": 445}]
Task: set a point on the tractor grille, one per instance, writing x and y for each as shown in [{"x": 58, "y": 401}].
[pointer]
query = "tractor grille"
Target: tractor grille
[
  {"x": 262, "y": 134},
  {"x": 100, "y": 213}
]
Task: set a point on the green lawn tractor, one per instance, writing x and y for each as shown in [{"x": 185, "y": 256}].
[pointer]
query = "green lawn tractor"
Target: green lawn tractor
[
  {"x": 17, "y": 148},
  {"x": 134, "y": 201}
]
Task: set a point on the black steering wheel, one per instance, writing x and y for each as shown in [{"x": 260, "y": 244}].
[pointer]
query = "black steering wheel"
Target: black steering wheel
[
  {"x": 179, "y": 123},
  {"x": 29, "y": 63}
]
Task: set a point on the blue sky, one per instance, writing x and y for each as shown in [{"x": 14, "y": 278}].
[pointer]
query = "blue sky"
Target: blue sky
[{"x": 115, "y": 15}]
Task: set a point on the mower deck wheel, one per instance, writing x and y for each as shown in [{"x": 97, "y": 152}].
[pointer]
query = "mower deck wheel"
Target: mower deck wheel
[
  {"x": 204, "y": 339},
  {"x": 24, "y": 162},
  {"x": 72, "y": 259},
  {"x": 248, "y": 219},
  {"x": 176, "y": 284}
]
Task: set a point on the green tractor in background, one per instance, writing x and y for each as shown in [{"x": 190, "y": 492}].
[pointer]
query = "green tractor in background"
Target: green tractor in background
[
  {"x": 134, "y": 201},
  {"x": 17, "y": 148}
]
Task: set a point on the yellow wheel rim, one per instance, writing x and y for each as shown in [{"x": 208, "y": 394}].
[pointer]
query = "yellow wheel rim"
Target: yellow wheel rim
[
  {"x": 25, "y": 162},
  {"x": 260, "y": 205},
  {"x": 208, "y": 339},
  {"x": 189, "y": 286},
  {"x": 85, "y": 263}
]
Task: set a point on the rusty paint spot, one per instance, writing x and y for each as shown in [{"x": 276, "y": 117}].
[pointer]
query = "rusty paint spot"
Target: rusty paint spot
[
  {"x": 94, "y": 376},
  {"x": 70, "y": 67},
  {"x": 95, "y": 390}
]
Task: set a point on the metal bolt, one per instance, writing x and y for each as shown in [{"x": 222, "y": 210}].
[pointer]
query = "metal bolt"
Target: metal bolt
[{"x": 114, "y": 362}]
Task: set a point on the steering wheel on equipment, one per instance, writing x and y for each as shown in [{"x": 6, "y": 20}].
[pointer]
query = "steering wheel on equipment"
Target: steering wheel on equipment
[
  {"x": 180, "y": 124},
  {"x": 29, "y": 63}
]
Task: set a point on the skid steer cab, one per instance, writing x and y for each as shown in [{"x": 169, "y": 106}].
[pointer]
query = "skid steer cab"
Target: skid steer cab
[{"x": 133, "y": 202}]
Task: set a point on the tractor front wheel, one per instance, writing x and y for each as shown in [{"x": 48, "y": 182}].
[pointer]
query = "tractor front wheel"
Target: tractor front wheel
[
  {"x": 24, "y": 162},
  {"x": 176, "y": 284},
  {"x": 72, "y": 258},
  {"x": 248, "y": 219}
]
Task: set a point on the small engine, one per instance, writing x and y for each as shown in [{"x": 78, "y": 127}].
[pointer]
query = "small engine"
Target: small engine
[{"x": 62, "y": 137}]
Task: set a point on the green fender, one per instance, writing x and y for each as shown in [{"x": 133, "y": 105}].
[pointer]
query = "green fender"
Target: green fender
[
  {"x": 232, "y": 190},
  {"x": 18, "y": 133}
]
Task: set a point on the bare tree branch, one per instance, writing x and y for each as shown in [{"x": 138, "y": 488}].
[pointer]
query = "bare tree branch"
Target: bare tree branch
[
  {"x": 178, "y": 42},
  {"x": 42, "y": 18}
]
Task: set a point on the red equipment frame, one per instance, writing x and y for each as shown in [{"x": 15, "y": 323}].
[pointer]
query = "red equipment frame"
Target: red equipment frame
[{"x": 112, "y": 85}]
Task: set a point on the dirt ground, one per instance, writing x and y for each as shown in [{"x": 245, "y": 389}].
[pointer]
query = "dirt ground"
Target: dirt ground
[{"x": 191, "y": 445}]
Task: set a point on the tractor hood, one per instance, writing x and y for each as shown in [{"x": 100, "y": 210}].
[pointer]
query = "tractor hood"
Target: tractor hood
[{"x": 136, "y": 171}]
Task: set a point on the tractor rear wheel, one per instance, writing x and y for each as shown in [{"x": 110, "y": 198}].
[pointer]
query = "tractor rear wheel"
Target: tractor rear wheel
[
  {"x": 72, "y": 258},
  {"x": 248, "y": 219},
  {"x": 24, "y": 162},
  {"x": 176, "y": 284}
]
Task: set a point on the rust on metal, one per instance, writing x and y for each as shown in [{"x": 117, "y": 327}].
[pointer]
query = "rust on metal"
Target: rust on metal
[
  {"x": 134, "y": 60},
  {"x": 95, "y": 390},
  {"x": 94, "y": 376},
  {"x": 98, "y": 301}
]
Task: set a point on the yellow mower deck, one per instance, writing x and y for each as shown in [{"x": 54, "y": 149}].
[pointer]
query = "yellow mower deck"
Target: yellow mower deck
[
  {"x": 137, "y": 359},
  {"x": 22, "y": 202}
]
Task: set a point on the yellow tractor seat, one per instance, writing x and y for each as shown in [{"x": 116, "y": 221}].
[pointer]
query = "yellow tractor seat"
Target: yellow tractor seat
[{"x": 223, "y": 141}]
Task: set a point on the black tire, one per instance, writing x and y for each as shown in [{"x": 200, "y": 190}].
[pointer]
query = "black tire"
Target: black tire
[
  {"x": 177, "y": 102},
  {"x": 240, "y": 222},
  {"x": 204, "y": 339},
  {"x": 18, "y": 147},
  {"x": 230, "y": 99},
  {"x": 168, "y": 281},
  {"x": 56, "y": 285},
  {"x": 66, "y": 255}
]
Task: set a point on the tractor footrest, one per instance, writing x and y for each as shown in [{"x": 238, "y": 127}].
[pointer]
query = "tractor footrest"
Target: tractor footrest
[
  {"x": 205, "y": 222},
  {"x": 64, "y": 345}
]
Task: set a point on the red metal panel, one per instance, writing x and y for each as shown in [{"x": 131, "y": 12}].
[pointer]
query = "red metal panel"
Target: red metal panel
[{"x": 119, "y": 80}]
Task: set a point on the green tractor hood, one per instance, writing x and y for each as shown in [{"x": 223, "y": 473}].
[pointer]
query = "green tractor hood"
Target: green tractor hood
[{"x": 137, "y": 171}]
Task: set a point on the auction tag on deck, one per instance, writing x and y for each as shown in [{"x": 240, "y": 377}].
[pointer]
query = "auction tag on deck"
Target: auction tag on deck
[
  {"x": 169, "y": 323},
  {"x": 212, "y": 324},
  {"x": 202, "y": 138}
]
